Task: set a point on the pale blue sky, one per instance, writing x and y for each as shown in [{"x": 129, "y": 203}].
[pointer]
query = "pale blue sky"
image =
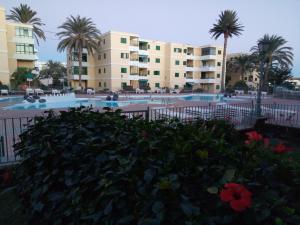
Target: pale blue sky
[{"x": 186, "y": 21}]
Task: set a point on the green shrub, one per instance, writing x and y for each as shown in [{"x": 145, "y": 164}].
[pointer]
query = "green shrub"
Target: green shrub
[{"x": 84, "y": 167}]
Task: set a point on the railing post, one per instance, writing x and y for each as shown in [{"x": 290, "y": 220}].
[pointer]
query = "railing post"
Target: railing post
[{"x": 148, "y": 114}]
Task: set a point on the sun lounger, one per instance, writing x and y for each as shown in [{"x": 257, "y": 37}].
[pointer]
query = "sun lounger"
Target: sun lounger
[
  {"x": 239, "y": 92},
  {"x": 29, "y": 91},
  {"x": 139, "y": 91},
  {"x": 90, "y": 91},
  {"x": 38, "y": 91},
  {"x": 4, "y": 92},
  {"x": 55, "y": 91}
]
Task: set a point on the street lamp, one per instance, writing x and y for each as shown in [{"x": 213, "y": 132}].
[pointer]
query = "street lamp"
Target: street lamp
[{"x": 261, "y": 48}]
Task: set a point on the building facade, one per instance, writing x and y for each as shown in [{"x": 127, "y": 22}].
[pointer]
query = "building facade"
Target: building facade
[
  {"x": 16, "y": 47},
  {"x": 126, "y": 59},
  {"x": 250, "y": 77}
]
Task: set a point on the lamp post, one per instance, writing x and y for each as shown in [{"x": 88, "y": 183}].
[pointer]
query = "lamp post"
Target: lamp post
[{"x": 261, "y": 78}]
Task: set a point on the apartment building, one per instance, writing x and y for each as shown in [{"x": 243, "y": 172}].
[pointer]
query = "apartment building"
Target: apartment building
[
  {"x": 250, "y": 77},
  {"x": 16, "y": 47},
  {"x": 126, "y": 59}
]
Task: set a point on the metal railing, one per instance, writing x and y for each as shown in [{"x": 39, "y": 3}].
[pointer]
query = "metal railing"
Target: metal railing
[{"x": 241, "y": 115}]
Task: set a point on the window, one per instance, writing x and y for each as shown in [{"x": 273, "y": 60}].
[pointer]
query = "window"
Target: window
[
  {"x": 219, "y": 64},
  {"x": 104, "y": 41},
  {"x": 148, "y": 72},
  {"x": 177, "y": 62},
  {"x": 123, "y": 40},
  {"x": 123, "y": 84},
  {"x": 255, "y": 79},
  {"x": 184, "y": 63},
  {"x": 219, "y": 52},
  {"x": 157, "y": 47},
  {"x": 84, "y": 57},
  {"x": 75, "y": 57},
  {"x": 157, "y": 85},
  {"x": 148, "y": 46},
  {"x": 245, "y": 78},
  {"x": 99, "y": 57},
  {"x": 104, "y": 70},
  {"x": 99, "y": 71},
  {"x": 75, "y": 70},
  {"x": 100, "y": 84},
  {"x": 124, "y": 55},
  {"x": 104, "y": 55},
  {"x": 24, "y": 48},
  {"x": 148, "y": 59},
  {"x": 208, "y": 51},
  {"x": 123, "y": 70},
  {"x": 23, "y": 32},
  {"x": 218, "y": 75},
  {"x": 176, "y": 86},
  {"x": 217, "y": 87},
  {"x": 104, "y": 84},
  {"x": 178, "y": 50},
  {"x": 185, "y": 50},
  {"x": 184, "y": 74},
  {"x": 156, "y": 72},
  {"x": 176, "y": 74},
  {"x": 157, "y": 60}
]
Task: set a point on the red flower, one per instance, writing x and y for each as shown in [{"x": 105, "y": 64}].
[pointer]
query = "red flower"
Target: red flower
[
  {"x": 254, "y": 136},
  {"x": 281, "y": 148},
  {"x": 237, "y": 195}
]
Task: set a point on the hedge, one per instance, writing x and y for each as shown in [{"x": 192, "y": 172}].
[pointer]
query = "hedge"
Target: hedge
[{"x": 84, "y": 167}]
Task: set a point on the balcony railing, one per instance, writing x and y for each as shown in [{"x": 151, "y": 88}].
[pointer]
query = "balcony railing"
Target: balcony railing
[{"x": 207, "y": 68}]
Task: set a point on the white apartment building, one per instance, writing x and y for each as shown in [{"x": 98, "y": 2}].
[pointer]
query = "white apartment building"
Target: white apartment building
[{"x": 127, "y": 59}]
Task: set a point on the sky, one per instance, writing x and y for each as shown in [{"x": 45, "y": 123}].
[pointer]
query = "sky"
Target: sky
[{"x": 181, "y": 21}]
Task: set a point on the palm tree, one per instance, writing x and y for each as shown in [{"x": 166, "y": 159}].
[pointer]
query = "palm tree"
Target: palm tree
[
  {"x": 243, "y": 63},
  {"x": 227, "y": 25},
  {"x": 78, "y": 33},
  {"x": 24, "y": 14},
  {"x": 271, "y": 50}
]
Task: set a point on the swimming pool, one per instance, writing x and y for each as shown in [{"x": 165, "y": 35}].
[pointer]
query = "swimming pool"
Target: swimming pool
[
  {"x": 81, "y": 102},
  {"x": 99, "y": 102}
]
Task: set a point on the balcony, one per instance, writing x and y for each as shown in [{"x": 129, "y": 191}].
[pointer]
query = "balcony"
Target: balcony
[
  {"x": 208, "y": 57},
  {"x": 190, "y": 80},
  {"x": 23, "y": 39},
  {"x": 134, "y": 63},
  {"x": 133, "y": 48},
  {"x": 133, "y": 77},
  {"x": 143, "y": 52},
  {"x": 76, "y": 63},
  {"x": 192, "y": 69},
  {"x": 83, "y": 77},
  {"x": 207, "y": 81},
  {"x": 208, "y": 69},
  {"x": 26, "y": 56}
]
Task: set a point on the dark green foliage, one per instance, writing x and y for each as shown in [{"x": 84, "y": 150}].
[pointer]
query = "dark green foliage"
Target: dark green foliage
[
  {"x": 83, "y": 167},
  {"x": 241, "y": 85}
]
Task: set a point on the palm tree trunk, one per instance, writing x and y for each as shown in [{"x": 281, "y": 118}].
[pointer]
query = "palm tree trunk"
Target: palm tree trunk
[
  {"x": 266, "y": 77},
  {"x": 224, "y": 64},
  {"x": 80, "y": 66},
  {"x": 69, "y": 55}
]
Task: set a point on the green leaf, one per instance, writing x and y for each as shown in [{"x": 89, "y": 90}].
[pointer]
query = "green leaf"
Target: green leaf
[
  {"x": 228, "y": 175},
  {"x": 212, "y": 190}
]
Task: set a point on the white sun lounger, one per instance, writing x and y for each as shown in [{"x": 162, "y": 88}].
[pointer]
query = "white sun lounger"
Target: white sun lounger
[{"x": 4, "y": 92}]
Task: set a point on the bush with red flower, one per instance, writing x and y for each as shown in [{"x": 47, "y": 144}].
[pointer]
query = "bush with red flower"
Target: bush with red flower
[{"x": 106, "y": 169}]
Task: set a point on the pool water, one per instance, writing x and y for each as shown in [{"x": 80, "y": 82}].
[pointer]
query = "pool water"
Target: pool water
[
  {"x": 80, "y": 102},
  {"x": 206, "y": 98},
  {"x": 11, "y": 100},
  {"x": 97, "y": 102}
]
